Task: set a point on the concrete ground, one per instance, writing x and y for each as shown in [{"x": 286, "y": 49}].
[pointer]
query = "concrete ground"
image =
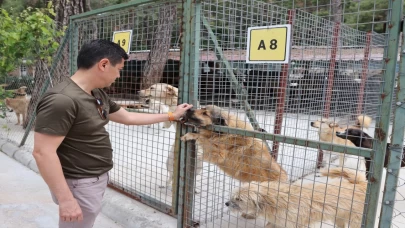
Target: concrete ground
[{"x": 25, "y": 201}]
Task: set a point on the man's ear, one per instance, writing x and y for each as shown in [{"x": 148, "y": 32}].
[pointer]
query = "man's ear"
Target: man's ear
[{"x": 102, "y": 64}]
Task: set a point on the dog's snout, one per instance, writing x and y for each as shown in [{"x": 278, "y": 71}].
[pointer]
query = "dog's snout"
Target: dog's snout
[
  {"x": 227, "y": 204},
  {"x": 189, "y": 112},
  {"x": 340, "y": 133}
]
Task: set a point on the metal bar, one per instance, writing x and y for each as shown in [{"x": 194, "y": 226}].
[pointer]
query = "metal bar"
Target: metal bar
[
  {"x": 133, "y": 194},
  {"x": 364, "y": 74},
  {"x": 383, "y": 119},
  {"x": 331, "y": 75},
  {"x": 331, "y": 72},
  {"x": 193, "y": 65},
  {"x": 358, "y": 151},
  {"x": 46, "y": 85},
  {"x": 396, "y": 151},
  {"x": 278, "y": 121},
  {"x": 181, "y": 155},
  {"x": 74, "y": 48},
  {"x": 111, "y": 8}
]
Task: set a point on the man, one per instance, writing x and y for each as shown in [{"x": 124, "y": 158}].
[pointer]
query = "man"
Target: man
[{"x": 71, "y": 146}]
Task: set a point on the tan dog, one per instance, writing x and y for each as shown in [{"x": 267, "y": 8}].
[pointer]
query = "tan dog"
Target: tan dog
[
  {"x": 163, "y": 93},
  {"x": 243, "y": 158},
  {"x": 327, "y": 131},
  {"x": 20, "y": 106},
  {"x": 168, "y": 95},
  {"x": 292, "y": 205}
]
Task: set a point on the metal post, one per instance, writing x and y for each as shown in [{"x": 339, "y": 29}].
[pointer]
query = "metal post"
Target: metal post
[
  {"x": 59, "y": 53},
  {"x": 278, "y": 121},
  {"x": 395, "y": 154},
  {"x": 331, "y": 75},
  {"x": 189, "y": 71},
  {"x": 383, "y": 117},
  {"x": 364, "y": 74}
]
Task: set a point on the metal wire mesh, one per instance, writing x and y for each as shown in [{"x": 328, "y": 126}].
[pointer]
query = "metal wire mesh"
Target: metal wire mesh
[
  {"x": 141, "y": 152},
  {"x": 27, "y": 85},
  {"x": 335, "y": 74}
]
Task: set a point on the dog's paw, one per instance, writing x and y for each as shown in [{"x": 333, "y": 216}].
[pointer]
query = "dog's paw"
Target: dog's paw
[
  {"x": 247, "y": 216},
  {"x": 189, "y": 136}
]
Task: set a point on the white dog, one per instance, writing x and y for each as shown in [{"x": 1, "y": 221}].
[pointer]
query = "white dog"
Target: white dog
[
  {"x": 158, "y": 107},
  {"x": 168, "y": 95}
]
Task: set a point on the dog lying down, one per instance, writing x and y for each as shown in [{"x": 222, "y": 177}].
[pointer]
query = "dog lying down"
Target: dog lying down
[
  {"x": 361, "y": 139},
  {"x": 243, "y": 158},
  {"x": 292, "y": 205}
]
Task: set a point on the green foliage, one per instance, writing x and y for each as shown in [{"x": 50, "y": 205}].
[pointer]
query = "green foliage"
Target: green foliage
[
  {"x": 3, "y": 95},
  {"x": 16, "y": 82},
  {"x": 364, "y": 15},
  {"x": 31, "y": 35}
]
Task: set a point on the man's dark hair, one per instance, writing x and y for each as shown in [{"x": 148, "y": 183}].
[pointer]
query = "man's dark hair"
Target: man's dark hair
[{"x": 94, "y": 51}]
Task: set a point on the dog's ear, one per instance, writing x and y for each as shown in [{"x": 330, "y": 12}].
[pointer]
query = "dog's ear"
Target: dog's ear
[
  {"x": 332, "y": 125},
  {"x": 219, "y": 120},
  {"x": 172, "y": 90}
]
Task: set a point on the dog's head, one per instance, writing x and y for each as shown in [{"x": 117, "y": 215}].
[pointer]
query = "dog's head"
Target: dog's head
[
  {"x": 358, "y": 137},
  {"x": 209, "y": 115},
  {"x": 21, "y": 90},
  {"x": 160, "y": 90},
  {"x": 324, "y": 124},
  {"x": 247, "y": 199}
]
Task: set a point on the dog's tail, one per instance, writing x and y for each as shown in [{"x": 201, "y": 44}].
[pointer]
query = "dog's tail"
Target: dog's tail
[
  {"x": 363, "y": 121},
  {"x": 351, "y": 175}
]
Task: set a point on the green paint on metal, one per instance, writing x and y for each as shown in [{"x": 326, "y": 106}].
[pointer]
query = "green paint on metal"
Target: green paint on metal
[
  {"x": 395, "y": 156},
  {"x": 58, "y": 55},
  {"x": 74, "y": 48},
  {"x": 382, "y": 124},
  {"x": 111, "y": 8},
  {"x": 295, "y": 141},
  {"x": 180, "y": 158}
]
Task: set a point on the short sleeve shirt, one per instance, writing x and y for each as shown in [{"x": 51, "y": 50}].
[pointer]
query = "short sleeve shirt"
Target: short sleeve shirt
[{"x": 67, "y": 110}]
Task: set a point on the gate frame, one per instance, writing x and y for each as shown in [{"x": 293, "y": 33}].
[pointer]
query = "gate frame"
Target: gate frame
[
  {"x": 398, "y": 126},
  {"x": 189, "y": 67}
]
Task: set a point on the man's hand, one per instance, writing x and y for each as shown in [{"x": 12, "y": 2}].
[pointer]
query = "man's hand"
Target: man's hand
[
  {"x": 70, "y": 211},
  {"x": 181, "y": 109}
]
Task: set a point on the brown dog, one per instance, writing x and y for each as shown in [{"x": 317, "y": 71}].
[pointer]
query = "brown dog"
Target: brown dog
[
  {"x": 19, "y": 104},
  {"x": 292, "y": 205},
  {"x": 243, "y": 158}
]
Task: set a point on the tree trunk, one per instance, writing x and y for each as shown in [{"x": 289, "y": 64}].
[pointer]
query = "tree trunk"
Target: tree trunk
[
  {"x": 63, "y": 9},
  {"x": 157, "y": 58}
]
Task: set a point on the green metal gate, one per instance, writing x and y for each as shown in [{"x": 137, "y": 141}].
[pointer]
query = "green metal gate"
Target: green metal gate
[{"x": 205, "y": 58}]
